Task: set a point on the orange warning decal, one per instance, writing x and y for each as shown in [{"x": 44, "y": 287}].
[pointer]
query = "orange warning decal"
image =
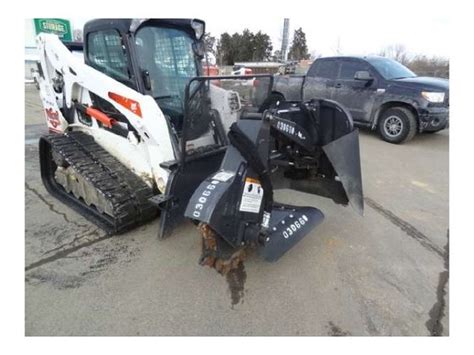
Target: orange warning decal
[{"x": 129, "y": 104}]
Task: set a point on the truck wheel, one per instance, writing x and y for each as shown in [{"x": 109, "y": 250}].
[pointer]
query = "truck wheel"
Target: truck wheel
[{"x": 397, "y": 125}]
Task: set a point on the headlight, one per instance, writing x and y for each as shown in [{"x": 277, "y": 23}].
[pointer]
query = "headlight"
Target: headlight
[{"x": 435, "y": 97}]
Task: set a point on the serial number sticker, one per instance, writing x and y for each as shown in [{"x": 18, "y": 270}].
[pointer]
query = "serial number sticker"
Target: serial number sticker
[
  {"x": 251, "y": 196},
  {"x": 293, "y": 227},
  {"x": 223, "y": 175},
  {"x": 202, "y": 200},
  {"x": 285, "y": 127}
]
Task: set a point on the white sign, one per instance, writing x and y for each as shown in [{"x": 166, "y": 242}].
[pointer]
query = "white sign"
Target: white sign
[
  {"x": 223, "y": 176},
  {"x": 251, "y": 196}
]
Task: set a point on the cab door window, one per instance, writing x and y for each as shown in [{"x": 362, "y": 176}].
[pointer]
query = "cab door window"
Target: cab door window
[
  {"x": 107, "y": 54},
  {"x": 349, "y": 68},
  {"x": 327, "y": 69}
]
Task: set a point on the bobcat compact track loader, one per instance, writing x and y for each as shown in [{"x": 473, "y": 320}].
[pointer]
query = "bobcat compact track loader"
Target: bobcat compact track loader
[{"x": 135, "y": 130}]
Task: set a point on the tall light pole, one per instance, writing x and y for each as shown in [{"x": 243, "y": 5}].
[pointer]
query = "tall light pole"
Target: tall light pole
[{"x": 284, "y": 42}]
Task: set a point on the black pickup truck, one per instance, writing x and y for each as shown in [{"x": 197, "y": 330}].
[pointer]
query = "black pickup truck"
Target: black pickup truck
[{"x": 380, "y": 93}]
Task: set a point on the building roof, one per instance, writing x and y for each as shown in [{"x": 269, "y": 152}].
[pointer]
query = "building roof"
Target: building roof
[{"x": 259, "y": 64}]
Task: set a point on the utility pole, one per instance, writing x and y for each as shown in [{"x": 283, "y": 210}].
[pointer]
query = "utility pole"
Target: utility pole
[{"x": 284, "y": 42}]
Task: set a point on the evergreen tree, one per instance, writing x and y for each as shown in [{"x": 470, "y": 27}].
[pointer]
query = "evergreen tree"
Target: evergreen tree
[
  {"x": 299, "y": 48},
  {"x": 244, "y": 47}
]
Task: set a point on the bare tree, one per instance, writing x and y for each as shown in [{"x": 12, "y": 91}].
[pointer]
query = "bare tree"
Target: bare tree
[
  {"x": 397, "y": 52},
  {"x": 277, "y": 56},
  {"x": 429, "y": 66},
  {"x": 210, "y": 42},
  {"x": 315, "y": 55},
  {"x": 422, "y": 65},
  {"x": 337, "y": 48}
]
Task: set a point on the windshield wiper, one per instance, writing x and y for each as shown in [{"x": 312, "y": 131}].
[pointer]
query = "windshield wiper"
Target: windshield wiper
[{"x": 403, "y": 77}]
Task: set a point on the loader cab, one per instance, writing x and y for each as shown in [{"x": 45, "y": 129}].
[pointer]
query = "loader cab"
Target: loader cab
[{"x": 155, "y": 57}]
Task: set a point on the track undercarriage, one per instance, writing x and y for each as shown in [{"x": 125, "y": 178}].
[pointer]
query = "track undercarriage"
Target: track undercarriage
[{"x": 79, "y": 172}]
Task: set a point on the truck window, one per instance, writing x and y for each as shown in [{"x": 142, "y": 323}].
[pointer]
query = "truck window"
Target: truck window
[
  {"x": 106, "y": 54},
  {"x": 313, "y": 68},
  {"x": 350, "y": 67},
  {"x": 324, "y": 69},
  {"x": 391, "y": 69}
]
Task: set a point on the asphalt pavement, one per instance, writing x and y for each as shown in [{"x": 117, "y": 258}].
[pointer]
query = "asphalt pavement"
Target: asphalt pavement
[{"x": 382, "y": 274}]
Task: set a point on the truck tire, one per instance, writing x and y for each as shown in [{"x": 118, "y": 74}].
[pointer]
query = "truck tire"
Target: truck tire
[{"x": 397, "y": 125}]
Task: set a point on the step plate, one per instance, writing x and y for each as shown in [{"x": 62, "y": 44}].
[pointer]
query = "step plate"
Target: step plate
[{"x": 288, "y": 225}]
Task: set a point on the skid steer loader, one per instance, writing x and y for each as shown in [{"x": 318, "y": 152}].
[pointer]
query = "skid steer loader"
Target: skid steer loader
[{"x": 136, "y": 130}]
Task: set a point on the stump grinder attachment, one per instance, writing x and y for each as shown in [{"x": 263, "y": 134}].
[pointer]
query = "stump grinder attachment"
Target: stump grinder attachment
[{"x": 310, "y": 147}]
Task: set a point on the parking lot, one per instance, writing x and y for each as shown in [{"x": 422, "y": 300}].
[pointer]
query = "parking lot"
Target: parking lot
[{"x": 382, "y": 274}]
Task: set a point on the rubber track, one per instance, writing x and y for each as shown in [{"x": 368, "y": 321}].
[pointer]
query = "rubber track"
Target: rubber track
[{"x": 126, "y": 192}]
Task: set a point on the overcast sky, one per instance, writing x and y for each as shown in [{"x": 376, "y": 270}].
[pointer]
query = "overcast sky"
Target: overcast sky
[{"x": 360, "y": 27}]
